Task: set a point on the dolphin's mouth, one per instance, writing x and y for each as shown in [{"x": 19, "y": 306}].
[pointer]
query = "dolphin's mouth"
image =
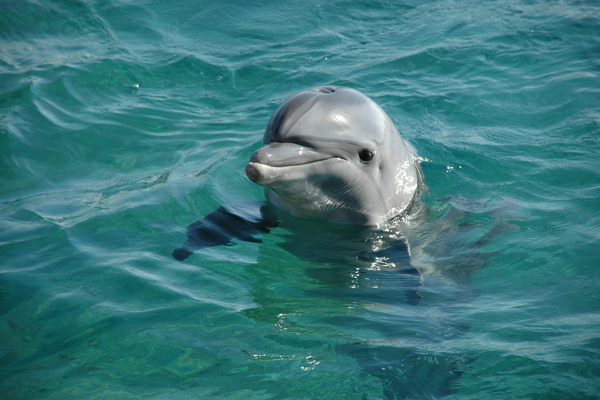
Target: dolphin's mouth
[
  {"x": 281, "y": 160},
  {"x": 287, "y": 154}
]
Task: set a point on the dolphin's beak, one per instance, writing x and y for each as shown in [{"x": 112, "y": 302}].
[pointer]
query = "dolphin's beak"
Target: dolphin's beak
[{"x": 271, "y": 162}]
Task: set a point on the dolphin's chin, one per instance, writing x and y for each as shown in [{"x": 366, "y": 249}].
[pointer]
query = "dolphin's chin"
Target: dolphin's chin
[
  {"x": 321, "y": 190},
  {"x": 318, "y": 206}
]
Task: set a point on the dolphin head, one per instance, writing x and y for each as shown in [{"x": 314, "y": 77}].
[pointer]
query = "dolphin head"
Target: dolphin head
[{"x": 332, "y": 153}]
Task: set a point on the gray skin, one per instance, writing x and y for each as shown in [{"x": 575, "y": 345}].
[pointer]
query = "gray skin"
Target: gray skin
[{"x": 331, "y": 153}]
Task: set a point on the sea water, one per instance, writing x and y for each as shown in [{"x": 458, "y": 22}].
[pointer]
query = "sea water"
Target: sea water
[{"x": 123, "y": 122}]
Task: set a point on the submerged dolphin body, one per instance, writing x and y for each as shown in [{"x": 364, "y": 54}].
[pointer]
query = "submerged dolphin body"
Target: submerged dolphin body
[{"x": 331, "y": 153}]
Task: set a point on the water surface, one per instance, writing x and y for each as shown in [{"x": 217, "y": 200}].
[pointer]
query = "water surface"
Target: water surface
[{"x": 121, "y": 123}]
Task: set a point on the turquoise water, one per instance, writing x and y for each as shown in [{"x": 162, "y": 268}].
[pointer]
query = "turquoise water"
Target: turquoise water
[{"x": 123, "y": 122}]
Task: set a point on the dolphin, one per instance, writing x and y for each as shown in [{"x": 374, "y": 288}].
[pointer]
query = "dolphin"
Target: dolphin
[{"x": 331, "y": 153}]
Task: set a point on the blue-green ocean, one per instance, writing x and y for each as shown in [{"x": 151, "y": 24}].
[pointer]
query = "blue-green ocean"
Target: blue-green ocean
[{"x": 122, "y": 122}]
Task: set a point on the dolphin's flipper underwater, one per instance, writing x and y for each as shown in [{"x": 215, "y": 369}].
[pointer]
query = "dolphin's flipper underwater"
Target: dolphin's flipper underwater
[{"x": 241, "y": 221}]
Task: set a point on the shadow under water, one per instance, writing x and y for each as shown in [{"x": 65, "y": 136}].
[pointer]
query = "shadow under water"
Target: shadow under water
[{"x": 384, "y": 298}]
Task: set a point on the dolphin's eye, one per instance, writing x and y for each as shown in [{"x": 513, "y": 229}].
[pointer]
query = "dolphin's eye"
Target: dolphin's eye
[{"x": 366, "y": 155}]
